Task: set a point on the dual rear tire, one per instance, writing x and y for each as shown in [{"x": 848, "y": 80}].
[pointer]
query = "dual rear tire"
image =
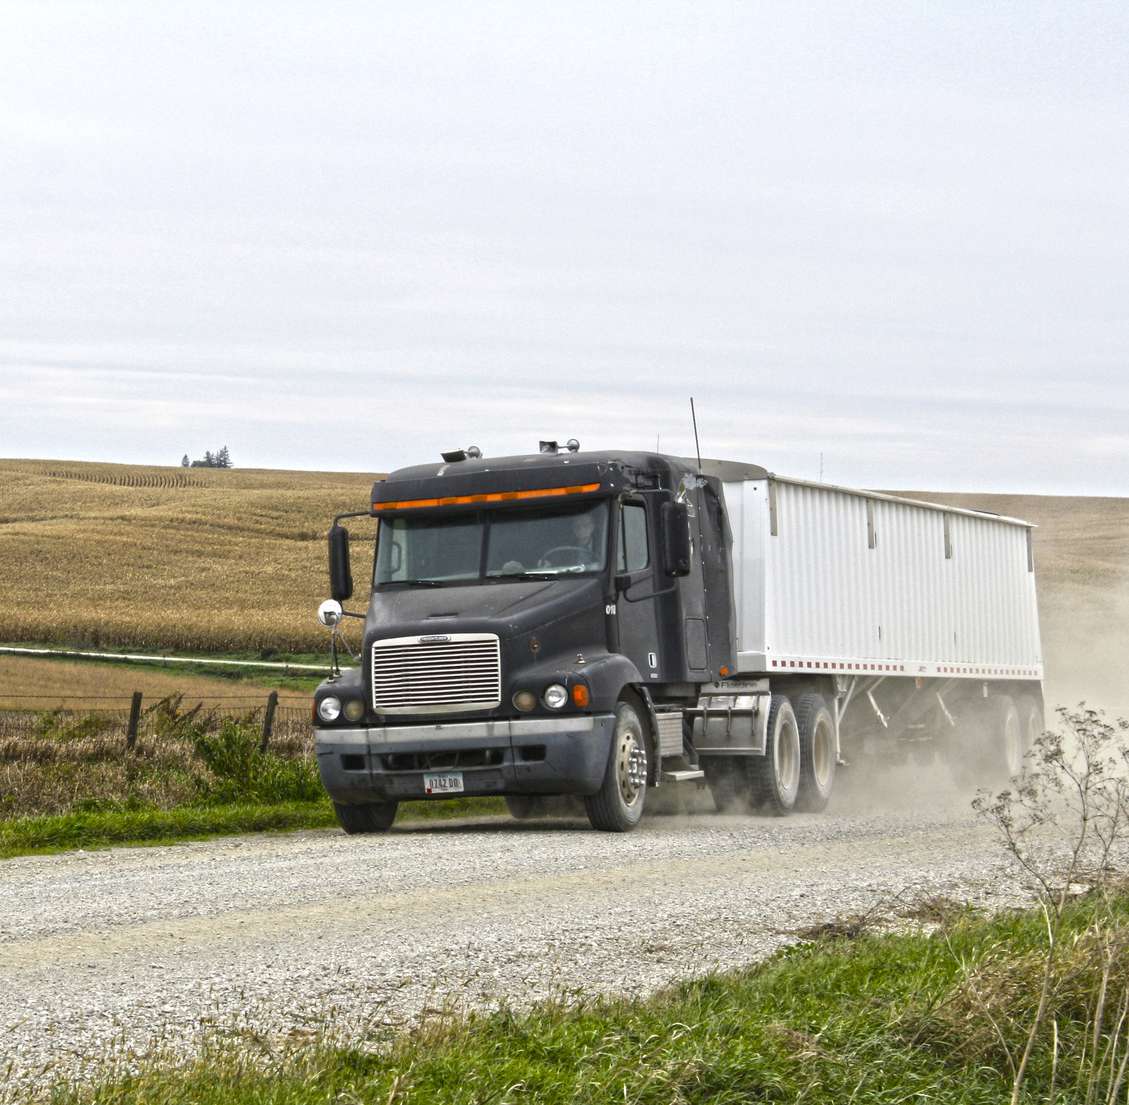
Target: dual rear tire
[{"x": 797, "y": 771}]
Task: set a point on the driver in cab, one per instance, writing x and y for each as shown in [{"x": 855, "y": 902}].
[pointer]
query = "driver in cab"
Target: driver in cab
[{"x": 580, "y": 554}]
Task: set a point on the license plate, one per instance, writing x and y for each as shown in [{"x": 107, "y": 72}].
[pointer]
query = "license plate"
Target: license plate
[{"x": 447, "y": 782}]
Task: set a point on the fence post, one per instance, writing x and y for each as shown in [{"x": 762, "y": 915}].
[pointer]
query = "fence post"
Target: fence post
[
  {"x": 134, "y": 721},
  {"x": 268, "y": 720}
]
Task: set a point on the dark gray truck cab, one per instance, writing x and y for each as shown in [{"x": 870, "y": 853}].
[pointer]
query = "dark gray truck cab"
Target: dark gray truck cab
[{"x": 538, "y": 625}]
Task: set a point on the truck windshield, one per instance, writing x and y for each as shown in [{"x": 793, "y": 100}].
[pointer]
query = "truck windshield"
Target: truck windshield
[{"x": 499, "y": 544}]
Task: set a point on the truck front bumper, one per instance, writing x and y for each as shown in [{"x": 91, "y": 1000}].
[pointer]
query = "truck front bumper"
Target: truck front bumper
[{"x": 567, "y": 755}]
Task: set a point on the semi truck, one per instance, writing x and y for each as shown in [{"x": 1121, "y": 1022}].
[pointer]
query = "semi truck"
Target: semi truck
[{"x": 603, "y": 624}]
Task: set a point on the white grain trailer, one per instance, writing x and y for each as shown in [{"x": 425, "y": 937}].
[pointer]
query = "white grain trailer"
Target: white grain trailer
[{"x": 869, "y": 624}]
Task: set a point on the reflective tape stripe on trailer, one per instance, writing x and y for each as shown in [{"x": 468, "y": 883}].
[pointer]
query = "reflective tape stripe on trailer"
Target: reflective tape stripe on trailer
[{"x": 923, "y": 669}]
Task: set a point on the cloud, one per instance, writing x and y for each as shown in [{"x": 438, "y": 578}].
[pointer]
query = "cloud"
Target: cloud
[{"x": 890, "y": 237}]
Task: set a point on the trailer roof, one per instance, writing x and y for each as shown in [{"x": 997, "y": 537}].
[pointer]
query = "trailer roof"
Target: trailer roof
[{"x": 884, "y": 496}]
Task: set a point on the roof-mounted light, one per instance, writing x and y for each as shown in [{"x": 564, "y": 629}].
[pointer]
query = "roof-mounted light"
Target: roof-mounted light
[
  {"x": 487, "y": 497},
  {"x": 472, "y": 452},
  {"x": 572, "y": 445}
]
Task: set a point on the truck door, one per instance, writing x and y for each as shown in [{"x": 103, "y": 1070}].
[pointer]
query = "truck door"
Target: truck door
[{"x": 636, "y": 606}]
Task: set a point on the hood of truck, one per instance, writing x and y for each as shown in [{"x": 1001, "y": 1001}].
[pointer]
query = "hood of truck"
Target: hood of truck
[{"x": 509, "y": 609}]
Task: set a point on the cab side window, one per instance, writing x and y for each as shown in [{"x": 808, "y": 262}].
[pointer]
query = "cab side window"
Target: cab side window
[{"x": 633, "y": 551}]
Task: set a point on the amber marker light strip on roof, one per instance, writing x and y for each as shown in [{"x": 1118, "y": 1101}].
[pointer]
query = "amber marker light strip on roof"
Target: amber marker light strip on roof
[{"x": 487, "y": 497}]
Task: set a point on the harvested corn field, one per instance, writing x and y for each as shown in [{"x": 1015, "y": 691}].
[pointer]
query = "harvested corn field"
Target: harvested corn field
[{"x": 204, "y": 559}]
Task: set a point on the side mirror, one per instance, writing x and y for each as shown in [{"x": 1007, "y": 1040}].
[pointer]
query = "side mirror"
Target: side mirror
[
  {"x": 675, "y": 525},
  {"x": 330, "y": 613},
  {"x": 340, "y": 578}
]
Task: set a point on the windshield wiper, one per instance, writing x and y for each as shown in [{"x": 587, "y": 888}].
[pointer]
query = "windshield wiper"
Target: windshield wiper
[
  {"x": 527, "y": 575},
  {"x": 419, "y": 582}
]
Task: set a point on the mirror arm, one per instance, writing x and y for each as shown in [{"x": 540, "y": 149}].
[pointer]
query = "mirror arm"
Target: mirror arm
[{"x": 653, "y": 594}]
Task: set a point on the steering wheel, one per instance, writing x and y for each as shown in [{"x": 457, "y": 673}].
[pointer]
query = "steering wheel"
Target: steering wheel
[{"x": 579, "y": 555}]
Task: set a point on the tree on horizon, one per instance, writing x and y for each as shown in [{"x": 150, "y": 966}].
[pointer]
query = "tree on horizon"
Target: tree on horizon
[{"x": 220, "y": 459}]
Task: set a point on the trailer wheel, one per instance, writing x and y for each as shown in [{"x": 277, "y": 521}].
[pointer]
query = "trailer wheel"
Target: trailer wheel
[
  {"x": 1031, "y": 723},
  {"x": 525, "y": 807},
  {"x": 817, "y": 752},
  {"x": 618, "y": 805},
  {"x": 775, "y": 777},
  {"x": 990, "y": 750},
  {"x": 369, "y": 817},
  {"x": 1005, "y": 748},
  {"x": 728, "y": 782}
]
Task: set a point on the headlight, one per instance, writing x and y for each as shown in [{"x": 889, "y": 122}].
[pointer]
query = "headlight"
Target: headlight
[
  {"x": 354, "y": 709},
  {"x": 329, "y": 708},
  {"x": 555, "y": 696},
  {"x": 525, "y": 701}
]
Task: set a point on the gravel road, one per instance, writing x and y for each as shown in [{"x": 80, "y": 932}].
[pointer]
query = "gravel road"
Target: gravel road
[{"x": 106, "y": 952}]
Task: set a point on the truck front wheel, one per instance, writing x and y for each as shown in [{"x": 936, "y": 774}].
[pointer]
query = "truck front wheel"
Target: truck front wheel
[
  {"x": 618, "y": 805},
  {"x": 368, "y": 817},
  {"x": 775, "y": 776}
]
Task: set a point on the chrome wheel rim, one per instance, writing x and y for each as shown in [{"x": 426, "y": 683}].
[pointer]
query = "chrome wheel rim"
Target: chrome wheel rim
[{"x": 631, "y": 765}]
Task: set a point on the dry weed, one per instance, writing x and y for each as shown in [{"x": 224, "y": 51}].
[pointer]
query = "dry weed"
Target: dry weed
[{"x": 63, "y": 761}]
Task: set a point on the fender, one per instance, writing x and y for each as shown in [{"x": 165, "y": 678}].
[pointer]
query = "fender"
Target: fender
[{"x": 607, "y": 674}]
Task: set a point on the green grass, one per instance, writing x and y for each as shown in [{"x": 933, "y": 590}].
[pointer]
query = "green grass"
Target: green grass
[
  {"x": 106, "y": 828},
  {"x": 251, "y": 675},
  {"x": 875, "y": 1019}
]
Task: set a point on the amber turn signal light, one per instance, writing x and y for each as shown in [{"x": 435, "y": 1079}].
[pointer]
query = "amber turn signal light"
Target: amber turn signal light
[{"x": 580, "y": 697}]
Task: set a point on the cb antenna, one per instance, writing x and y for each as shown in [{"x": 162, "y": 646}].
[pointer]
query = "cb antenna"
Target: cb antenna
[{"x": 697, "y": 446}]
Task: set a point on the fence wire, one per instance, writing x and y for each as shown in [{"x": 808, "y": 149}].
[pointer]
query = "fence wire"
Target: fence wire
[{"x": 289, "y": 732}]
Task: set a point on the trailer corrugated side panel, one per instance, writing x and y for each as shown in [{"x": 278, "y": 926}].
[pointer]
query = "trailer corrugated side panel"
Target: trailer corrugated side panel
[{"x": 828, "y": 579}]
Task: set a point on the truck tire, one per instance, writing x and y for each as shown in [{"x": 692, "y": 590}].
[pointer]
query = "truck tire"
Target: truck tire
[
  {"x": 1005, "y": 747},
  {"x": 369, "y": 817},
  {"x": 525, "y": 807},
  {"x": 618, "y": 805},
  {"x": 728, "y": 782},
  {"x": 989, "y": 752},
  {"x": 774, "y": 778},
  {"x": 1031, "y": 724},
  {"x": 818, "y": 754}
]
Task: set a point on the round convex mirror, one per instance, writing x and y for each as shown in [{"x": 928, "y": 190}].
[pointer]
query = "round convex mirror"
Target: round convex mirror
[{"x": 329, "y": 613}]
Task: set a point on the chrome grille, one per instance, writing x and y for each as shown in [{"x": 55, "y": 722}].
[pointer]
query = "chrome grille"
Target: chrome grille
[{"x": 429, "y": 675}]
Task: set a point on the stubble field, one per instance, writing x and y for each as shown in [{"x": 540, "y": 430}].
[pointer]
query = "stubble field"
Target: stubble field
[{"x": 196, "y": 559}]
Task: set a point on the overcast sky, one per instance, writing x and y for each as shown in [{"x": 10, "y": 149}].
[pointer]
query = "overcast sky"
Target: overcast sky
[{"x": 348, "y": 236}]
